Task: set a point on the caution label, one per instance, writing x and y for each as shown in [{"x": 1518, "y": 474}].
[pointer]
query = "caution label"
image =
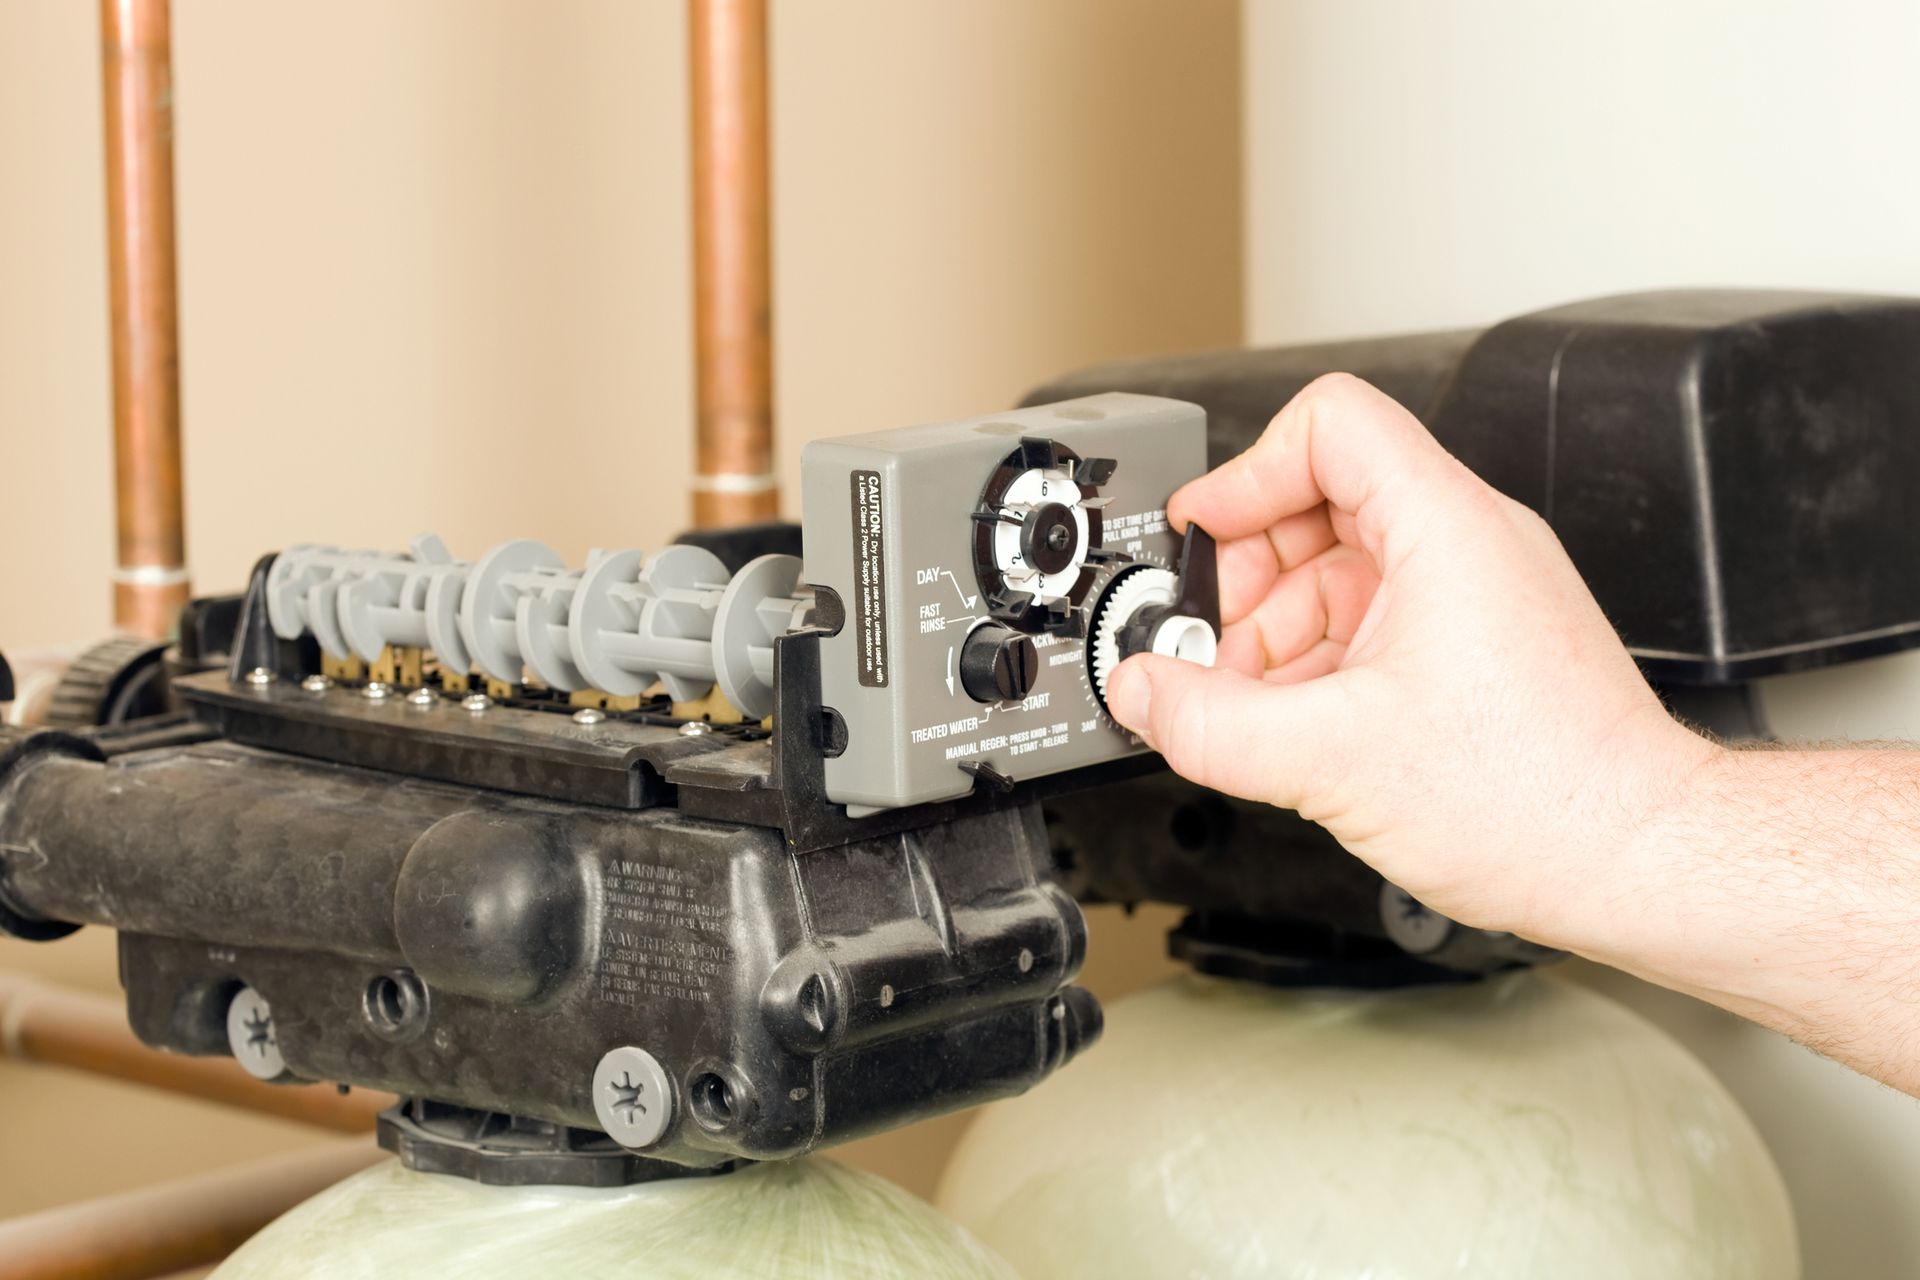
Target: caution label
[{"x": 870, "y": 580}]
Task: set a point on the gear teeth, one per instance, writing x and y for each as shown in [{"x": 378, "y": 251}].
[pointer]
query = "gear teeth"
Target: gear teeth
[
  {"x": 91, "y": 688},
  {"x": 1130, "y": 592}
]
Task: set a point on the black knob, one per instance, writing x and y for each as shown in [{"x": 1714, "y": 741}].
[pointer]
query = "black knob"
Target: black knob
[
  {"x": 998, "y": 664},
  {"x": 1049, "y": 538}
]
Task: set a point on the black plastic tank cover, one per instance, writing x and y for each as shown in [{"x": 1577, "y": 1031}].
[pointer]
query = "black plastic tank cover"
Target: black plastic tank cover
[{"x": 1731, "y": 470}]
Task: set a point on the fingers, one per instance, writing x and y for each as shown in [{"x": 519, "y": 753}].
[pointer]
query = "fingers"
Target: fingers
[
  {"x": 1298, "y": 538},
  {"x": 1249, "y": 565},
  {"x": 1339, "y": 441},
  {"x": 1227, "y": 731},
  {"x": 1242, "y": 649},
  {"x": 1324, "y": 599},
  {"x": 1247, "y": 572},
  {"x": 1322, "y": 658}
]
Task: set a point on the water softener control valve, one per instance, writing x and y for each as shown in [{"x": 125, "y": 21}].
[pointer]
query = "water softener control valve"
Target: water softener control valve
[{"x": 991, "y": 573}]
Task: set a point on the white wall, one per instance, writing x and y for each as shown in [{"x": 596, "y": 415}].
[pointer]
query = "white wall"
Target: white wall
[
  {"x": 1425, "y": 165},
  {"x": 1414, "y": 165}
]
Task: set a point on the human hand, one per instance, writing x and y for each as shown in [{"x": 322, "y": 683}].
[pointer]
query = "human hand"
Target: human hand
[{"x": 1410, "y": 659}]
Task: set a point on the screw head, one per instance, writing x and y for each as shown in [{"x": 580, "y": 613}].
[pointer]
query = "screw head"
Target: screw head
[
  {"x": 316, "y": 684},
  {"x": 632, "y": 1097},
  {"x": 422, "y": 697},
  {"x": 589, "y": 715},
  {"x": 476, "y": 702},
  {"x": 260, "y": 676},
  {"x": 1411, "y": 925},
  {"x": 376, "y": 690},
  {"x": 695, "y": 729},
  {"x": 251, "y": 1037}
]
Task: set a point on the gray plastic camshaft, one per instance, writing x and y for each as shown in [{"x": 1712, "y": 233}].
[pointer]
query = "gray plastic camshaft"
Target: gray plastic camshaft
[
  {"x": 508, "y": 611},
  {"x": 303, "y": 589},
  {"x": 636, "y": 620},
  {"x": 624, "y": 622},
  {"x": 677, "y": 617},
  {"x": 765, "y": 600},
  {"x": 359, "y": 602},
  {"x": 409, "y": 602}
]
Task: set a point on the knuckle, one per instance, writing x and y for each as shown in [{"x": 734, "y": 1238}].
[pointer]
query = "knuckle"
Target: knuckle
[
  {"x": 1483, "y": 497},
  {"x": 1326, "y": 394},
  {"x": 1530, "y": 525},
  {"x": 1323, "y": 392},
  {"x": 1339, "y": 382},
  {"x": 1528, "y": 519}
]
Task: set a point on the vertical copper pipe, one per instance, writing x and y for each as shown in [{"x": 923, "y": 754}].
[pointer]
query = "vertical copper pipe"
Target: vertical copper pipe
[
  {"x": 732, "y": 264},
  {"x": 136, "y": 56}
]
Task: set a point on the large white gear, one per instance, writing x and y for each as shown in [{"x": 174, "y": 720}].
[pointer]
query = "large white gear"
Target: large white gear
[{"x": 1135, "y": 591}]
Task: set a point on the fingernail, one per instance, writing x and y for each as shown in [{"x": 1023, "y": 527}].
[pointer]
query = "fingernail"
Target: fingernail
[{"x": 1128, "y": 692}]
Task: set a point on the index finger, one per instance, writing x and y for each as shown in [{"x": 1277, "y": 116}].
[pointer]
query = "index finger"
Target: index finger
[{"x": 1340, "y": 441}]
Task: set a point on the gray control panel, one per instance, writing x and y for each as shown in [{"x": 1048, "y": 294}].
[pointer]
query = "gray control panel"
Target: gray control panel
[
  {"x": 990, "y": 573},
  {"x": 972, "y": 585}
]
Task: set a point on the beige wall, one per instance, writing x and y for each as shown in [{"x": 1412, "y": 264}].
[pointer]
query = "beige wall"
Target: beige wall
[
  {"x": 434, "y": 271},
  {"x": 433, "y": 276}
]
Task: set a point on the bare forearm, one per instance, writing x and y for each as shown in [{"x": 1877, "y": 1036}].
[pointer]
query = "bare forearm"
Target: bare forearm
[{"x": 1784, "y": 886}]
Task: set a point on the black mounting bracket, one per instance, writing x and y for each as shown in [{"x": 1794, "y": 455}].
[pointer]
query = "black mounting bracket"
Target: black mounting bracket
[{"x": 513, "y": 1151}]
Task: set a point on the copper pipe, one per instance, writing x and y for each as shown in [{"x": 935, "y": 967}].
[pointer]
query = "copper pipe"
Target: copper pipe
[
  {"x": 732, "y": 265},
  {"x": 74, "y": 1029},
  {"x": 136, "y": 57},
  {"x": 159, "y": 1230}
]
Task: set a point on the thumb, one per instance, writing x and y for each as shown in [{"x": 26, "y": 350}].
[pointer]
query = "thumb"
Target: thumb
[{"x": 1228, "y": 731}]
